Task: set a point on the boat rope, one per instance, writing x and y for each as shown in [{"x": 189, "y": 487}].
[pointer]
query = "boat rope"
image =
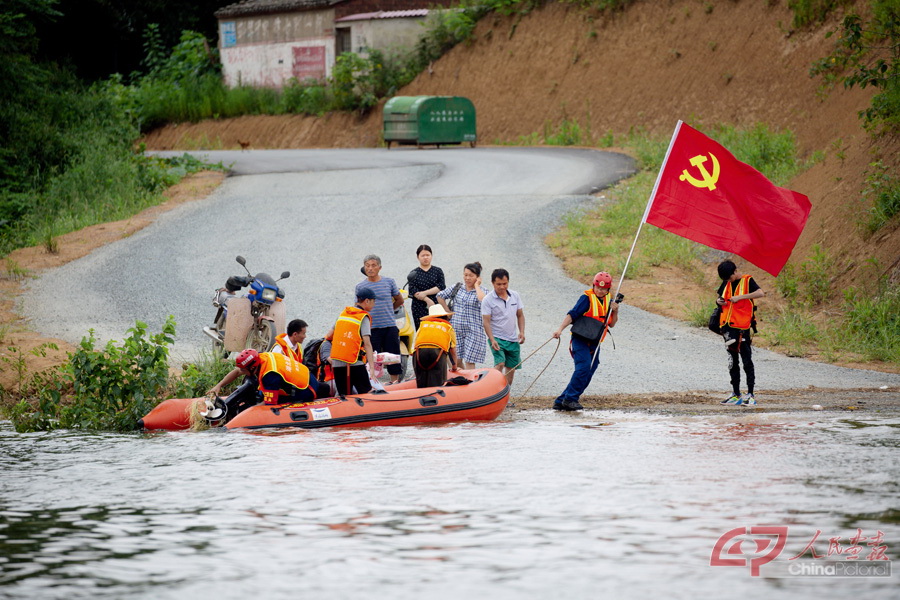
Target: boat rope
[{"x": 552, "y": 356}]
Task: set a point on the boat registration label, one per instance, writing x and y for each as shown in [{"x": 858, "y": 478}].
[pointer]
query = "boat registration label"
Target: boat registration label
[{"x": 319, "y": 414}]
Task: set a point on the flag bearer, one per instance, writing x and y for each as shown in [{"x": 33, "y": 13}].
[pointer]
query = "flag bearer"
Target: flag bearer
[
  {"x": 592, "y": 315},
  {"x": 736, "y": 296}
]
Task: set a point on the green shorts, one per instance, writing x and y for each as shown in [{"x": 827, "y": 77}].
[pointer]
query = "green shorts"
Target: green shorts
[{"x": 507, "y": 355}]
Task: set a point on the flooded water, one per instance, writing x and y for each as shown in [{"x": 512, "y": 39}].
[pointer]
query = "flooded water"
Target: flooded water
[{"x": 543, "y": 505}]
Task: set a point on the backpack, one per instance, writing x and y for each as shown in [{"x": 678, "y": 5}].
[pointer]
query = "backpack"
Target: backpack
[{"x": 311, "y": 355}]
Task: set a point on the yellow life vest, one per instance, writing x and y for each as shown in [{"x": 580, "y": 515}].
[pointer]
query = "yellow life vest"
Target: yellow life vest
[{"x": 435, "y": 332}]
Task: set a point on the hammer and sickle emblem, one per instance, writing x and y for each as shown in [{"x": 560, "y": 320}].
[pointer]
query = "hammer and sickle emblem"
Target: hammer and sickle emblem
[{"x": 708, "y": 180}]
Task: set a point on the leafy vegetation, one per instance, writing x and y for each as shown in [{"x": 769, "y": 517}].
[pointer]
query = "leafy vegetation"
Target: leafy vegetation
[
  {"x": 67, "y": 158},
  {"x": 108, "y": 388},
  {"x": 867, "y": 53},
  {"x": 811, "y": 12},
  {"x": 873, "y": 322}
]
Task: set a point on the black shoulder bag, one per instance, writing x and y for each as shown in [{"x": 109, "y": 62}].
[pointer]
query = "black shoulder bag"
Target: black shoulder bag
[
  {"x": 714, "y": 319},
  {"x": 453, "y": 296},
  {"x": 588, "y": 328}
]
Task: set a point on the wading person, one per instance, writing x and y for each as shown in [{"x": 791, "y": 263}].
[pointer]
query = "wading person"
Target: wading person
[
  {"x": 467, "y": 323},
  {"x": 385, "y": 334},
  {"x": 291, "y": 343},
  {"x": 736, "y": 296},
  {"x": 423, "y": 283},
  {"x": 351, "y": 345},
  {"x": 591, "y": 317},
  {"x": 503, "y": 316},
  {"x": 435, "y": 347}
]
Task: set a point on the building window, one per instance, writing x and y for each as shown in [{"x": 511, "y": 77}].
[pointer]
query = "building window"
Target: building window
[{"x": 342, "y": 40}]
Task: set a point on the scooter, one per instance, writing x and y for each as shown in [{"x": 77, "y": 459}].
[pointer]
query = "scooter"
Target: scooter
[{"x": 250, "y": 321}]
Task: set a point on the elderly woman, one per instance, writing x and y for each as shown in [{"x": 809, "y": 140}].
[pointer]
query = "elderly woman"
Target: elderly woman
[
  {"x": 423, "y": 283},
  {"x": 466, "y": 297}
]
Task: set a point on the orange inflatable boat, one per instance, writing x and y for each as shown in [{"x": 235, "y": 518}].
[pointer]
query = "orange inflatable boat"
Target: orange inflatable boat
[{"x": 482, "y": 399}]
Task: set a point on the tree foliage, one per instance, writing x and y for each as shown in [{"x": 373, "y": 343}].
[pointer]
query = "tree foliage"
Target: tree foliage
[{"x": 867, "y": 53}]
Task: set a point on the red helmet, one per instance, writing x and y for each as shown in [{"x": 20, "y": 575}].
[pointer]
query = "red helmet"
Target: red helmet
[
  {"x": 603, "y": 279},
  {"x": 247, "y": 359}
]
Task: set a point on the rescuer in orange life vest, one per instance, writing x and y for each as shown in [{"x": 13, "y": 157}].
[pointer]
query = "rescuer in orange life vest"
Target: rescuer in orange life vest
[
  {"x": 435, "y": 341},
  {"x": 291, "y": 343},
  {"x": 351, "y": 345},
  {"x": 590, "y": 318},
  {"x": 736, "y": 296},
  {"x": 278, "y": 378}
]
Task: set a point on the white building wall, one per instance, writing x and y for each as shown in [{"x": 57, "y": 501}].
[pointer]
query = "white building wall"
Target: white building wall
[
  {"x": 386, "y": 34},
  {"x": 269, "y": 50},
  {"x": 271, "y": 65}
]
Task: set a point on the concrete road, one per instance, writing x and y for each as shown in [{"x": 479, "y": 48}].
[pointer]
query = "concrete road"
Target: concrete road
[{"x": 316, "y": 213}]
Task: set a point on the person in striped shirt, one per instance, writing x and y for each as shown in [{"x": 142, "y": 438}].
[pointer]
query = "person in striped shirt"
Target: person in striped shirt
[{"x": 385, "y": 334}]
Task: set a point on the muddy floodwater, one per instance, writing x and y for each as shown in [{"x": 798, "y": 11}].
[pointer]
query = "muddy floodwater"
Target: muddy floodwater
[{"x": 534, "y": 505}]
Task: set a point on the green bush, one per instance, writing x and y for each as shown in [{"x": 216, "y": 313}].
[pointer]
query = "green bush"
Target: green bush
[
  {"x": 67, "y": 158},
  {"x": 569, "y": 133},
  {"x": 111, "y": 388},
  {"x": 307, "y": 98},
  {"x": 883, "y": 191}
]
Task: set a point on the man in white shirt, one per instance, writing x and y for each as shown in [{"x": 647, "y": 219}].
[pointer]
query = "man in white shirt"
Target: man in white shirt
[
  {"x": 291, "y": 343},
  {"x": 504, "y": 323}
]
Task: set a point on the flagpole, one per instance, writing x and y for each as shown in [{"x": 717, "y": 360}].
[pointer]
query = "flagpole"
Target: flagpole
[{"x": 641, "y": 224}]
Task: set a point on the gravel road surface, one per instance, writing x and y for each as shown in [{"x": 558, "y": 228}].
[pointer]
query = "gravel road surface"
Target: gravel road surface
[{"x": 316, "y": 213}]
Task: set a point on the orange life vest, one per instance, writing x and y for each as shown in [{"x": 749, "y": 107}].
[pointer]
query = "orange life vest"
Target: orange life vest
[
  {"x": 737, "y": 315},
  {"x": 281, "y": 340},
  {"x": 598, "y": 310},
  {"x": 292, "y": 372},
  {"x": 347, "y": 345},
  {"x": 435, "y": 332}
]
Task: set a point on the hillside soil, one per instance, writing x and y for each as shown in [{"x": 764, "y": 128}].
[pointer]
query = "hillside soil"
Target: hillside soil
[{"x": 739, "y": 63}]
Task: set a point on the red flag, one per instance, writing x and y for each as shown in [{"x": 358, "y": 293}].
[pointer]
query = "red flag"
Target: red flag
[{"x": 705, "y": 194}]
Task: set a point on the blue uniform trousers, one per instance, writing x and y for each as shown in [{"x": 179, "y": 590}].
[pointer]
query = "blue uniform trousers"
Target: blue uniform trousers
[{"x": 583, "y": 353}]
